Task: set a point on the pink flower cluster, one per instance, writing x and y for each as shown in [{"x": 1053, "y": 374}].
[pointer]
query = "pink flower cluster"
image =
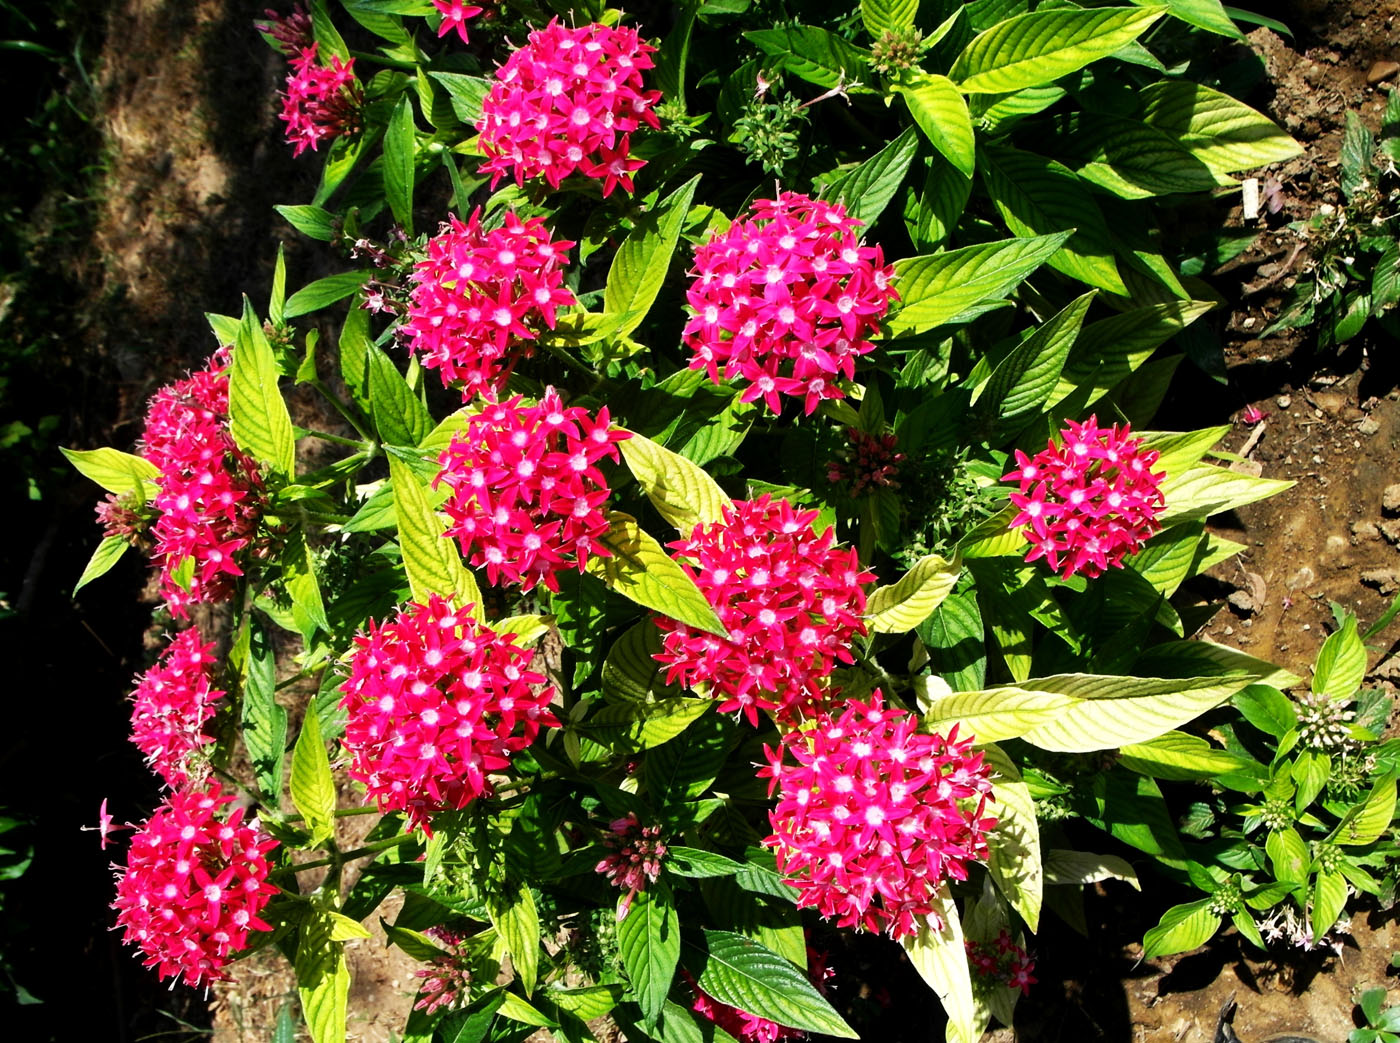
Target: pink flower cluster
[
  {"x": 1001, "y": 962},
  {"x": 569, "y": 100},
  {"x": 870, "y": 463},
  {"x": 526, "y": 494},
  {"x": 1089, "y": 501},
  {"x": 635, "y": 857},
  {"x": 479, "y": 294},
  {"x": 170, "y": 705},
  {"x": 447, "y": 983},
  {"x": 875, "y": 816},
  {"x": 437, "y": 701},
  {"x": 193, "y": 886},
  {"x": 788, "y": 299},
  {"x": 790, "y": 600},
  {"x": 455, "y": 15},
  {"x": 321, "y": 101},
  {"x": 210, "y": 493}
]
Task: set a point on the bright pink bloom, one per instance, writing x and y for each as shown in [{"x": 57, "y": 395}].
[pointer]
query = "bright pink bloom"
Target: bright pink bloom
[
  {"x": 1252, "y": 415},
  {"x": 436, "y": 702},
  {"x": 527, "y": 495},
  {"x": 480, "y": 297},
  {"x": 1090, "y": 501},
  {"x": 875, "y": 816},
  {"x": 569, "y": 100},
  {"x": 105, "y": 826},
  {"x": 870, "y": 463},
  {"x": 790, "y": 600},
  {"x": 193, "y": 886},
  {"x": 321, "y": 102},
  {"x": 1001, "y": 962},
  {"x": 210, "y": 493},
  {"x": 455, "y": 15},
  {"x": 634, "y": 859},
  {"x": 170, "y": 705},
  {"x": 447, "y": 983},
  {"x": 788, "y": 299}
]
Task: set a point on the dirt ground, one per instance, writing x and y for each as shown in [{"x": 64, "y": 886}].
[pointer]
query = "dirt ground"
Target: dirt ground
[{"x": 186, "y": 225}]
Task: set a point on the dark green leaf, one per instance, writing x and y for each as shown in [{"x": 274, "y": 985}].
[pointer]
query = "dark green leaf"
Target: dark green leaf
[
  {"x": 264, "y": 721},
  {"x": 309, "y": 221},
  {"x": 398, "y": 163},
  {"x": 649, "y": 942},
  {"x": 325, "y": 291},
  {"x": 738, "y": 971},
  {"x": 816, "y": 55},
  {"x": 399, "y": 416},
  {"x": 868, "y": 188}
]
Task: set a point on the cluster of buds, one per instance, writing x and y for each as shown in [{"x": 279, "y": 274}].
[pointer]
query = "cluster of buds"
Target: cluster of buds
[
  {"x": 634, "y": 860},
  {"x": 124, "y": 517},
  {"x": 447, "y": 983},
  {"x": 895, "y": 51},
  {"x": 870, "y": 463},
  {"x": 1324, "y": 723},
  {"x": 321, "y": 102},
  {"x": 1001, "y": 962},
  {"x": 293, "y": 31}
]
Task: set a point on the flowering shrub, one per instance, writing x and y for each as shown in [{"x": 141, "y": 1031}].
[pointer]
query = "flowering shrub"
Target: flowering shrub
[
  {"x": 479, "y": 297},
  {"x": 193, "y": 886},
  {"x": 788, "y": 299},
  {"x": 321, "y": 101},
  {"x": 1088, "y": 501},
  {"x": 171, "y": 704},
  {"x": 568, "y": 101}
]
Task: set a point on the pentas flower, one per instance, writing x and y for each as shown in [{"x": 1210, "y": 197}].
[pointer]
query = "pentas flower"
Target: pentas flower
[
  {"x": 447, "y": 983},
  {"x": 526, "y": 495},
  {"x": 790, "y": 601},
  {"x": 455, "y": 15},
  {"x": 875, "y": 816},
  {"x": 293, "y": 31},
  {"x": 210, "y": 493},
  {"x": 1001, "y": 962},
  {"x": 568, "y": 101},
  {"x": 480, "y": 297},
  {"x": 321, "y": 101},
  {"x": 634, "y": 859},
  {"x": 193, "y": 886},
  {"x": 788, "y": 299},
  {"x": 436, "y": 702},
  {"x": 170, "y": 706},
  {"x": 1088, "y": 501},
  {"x": 870, "y": 463}
]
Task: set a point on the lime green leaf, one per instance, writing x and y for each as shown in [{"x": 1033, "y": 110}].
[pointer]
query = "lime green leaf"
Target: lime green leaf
[
  {"x": 1204, "y": 14},
  {"x": 1371, "y": 819},
  {"x": 991, "y": 714},
  {"x": 867, "y": 189},
  {"x": 415, "y": 943},
  {"x": 1014, "y": 845},
  {"x": 1007, "y": 109},
  {"x": 518, "y": 923},
  {"x": 527, "y": 628},
  {"x": 1341, "y": 663},
  {"x": 682, "y": 493},
  {"x": 516, "y": 1009},
  {"x": 1023, "y": 381},
  {"x": 697, "y": 864},
  {"x": 932, "y": 213},
  {"x": 887, "y": 16},
  {"x": 258, "y": 415},
  {"x": 1138, "y": 161},
  {"x": 323, "y": 980},
  {"x": 1329, "y": 899},
  {"x": 815, "y": 55},
  {"x": 299, "y": 576},
  {"x": 1204, "y": 490},
  {"x": 353, "y": 346},
  {"x": 1288, "y": 856},
  {"x": 640, "y": 569},
  {"x": 330, "y": 40},
  {"x": 398, "y": 163},
  {"x": 1203, "y": 657},
  {"x": 903, "y": 605},
  {"x": 1120, "y": 711},
  {"x": 1179, "y": 756},
  {"x": 313, "y": 789},
  {"x": 640, "y": 265},
  {"x": 466, "y": 93},
  {"x": 278, "y": 297},
  {"x": 310, "y": 221},
  {"x": 1182, "y": 928},
  {"x": 1038, "y": 196},
  {"x": 315, "y": 296},
  {"x": 1224, "y": 134},
  {"x": 107, "y": 554},
  {"x": 430, "y": 559},
  {"x": 589, "y": 1002},
  {"x": 938, "y": 287},
  {"x": 640, "y": 726},
  {"x": 742, "y": 973},
  {"x": 399, "y": 416},
  {"x": 1029, "y": 50},
  {"x": 1311, "y": 770},
  {"x": 941, "y": 960},
  {"x": 942, "y": 115},
  {"x": 343, "y": 929},
  {"x": 1077, "y": 868},
  {"x": 649, "y": 942},
  {"x": 115, "y": 471}
]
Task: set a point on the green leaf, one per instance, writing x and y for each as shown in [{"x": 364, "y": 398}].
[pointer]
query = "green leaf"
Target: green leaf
[
  {"x": 1203, "y": 14},
  {"x": 1077, "y": 868},
  {"x": 1203, "y": 490},
  {"x": 329, "y": 39},
  {"x": 258, "y": 415},
  {"x": 639, "y": 569},
  {"x": 1182, "y": 928},
  {"x": 1138, "y": 161},
  {"x": 991, "y": 714},
  {"x": 1288, "y": 856},
  {"x": 697, "y": 864},
  {"x": 399, "y": 416},
  {"x": 940, "y": 957},
  {"x": 955, "y": 640},
  {"x": 1221, "y": 132},
  {"x": 1014, "y": 845},
  {"x": 107, "y": 554},
  {"x": 685, "y": 767},
  {"x": 315, "y": 296},
  {"x": 682, "y": 493},
  {"x": 867, "y": 189},
  {"x": 1179, "y": 756},
  {"x": 642, "y": 261},
  {"x": 640, "y": 726},
  {"x": 429, "y": 558},
  {"x": 938, "y": 287},
  {"x": 942, "y": 115},
  {"x": 264, "y": 721},
  {"x": 742, "y": 973},
  {"x": 932, "y": 213},
  {"x": 1385, "y": 279},
  {"x": 903, "y": 605},
  {"x": 1179, "y": 658},
  {"x": 815, "y": 55},
  {"x": 518, "y": 923},
  {"x": 1029, "y": 50},
  {"x": 887, "y": 16},
  {"x": 278, "y": 297},
  {"x": 649, "y": 942},
  {"x": 1370, "y": 820},
  {"x": 115, "y": 471},
  {"x": 310, "y": 221},
  {"x": 299, "y": 576},
  {"x": 398, "y": 163},
  {"x": 466, "y": 92},
  {"x": 630, "y": 673},
  {"x": 323, "y": 980},
  {"x": 1329, "y": 899},
  {"x": 1341, "y": 663},
  {"x": 1038, "y": 196},
  {"x": 1267, "y": 709},
  {"x": 1023, "y": 381},
  {"x": 516, "y": 1009},
  {"x": 313, "y": 789},
  {"x": 1311, "y": 770}
]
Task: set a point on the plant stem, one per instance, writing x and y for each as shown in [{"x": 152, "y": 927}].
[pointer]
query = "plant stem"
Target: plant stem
[
  {"x": 326, "y": 436},
  {"x": 340, "y": 813},
  {"x": 341, "y": 407},
  {"x": 347, "y": 856}
]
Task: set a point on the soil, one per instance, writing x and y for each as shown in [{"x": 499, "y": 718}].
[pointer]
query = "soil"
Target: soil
[{"x": 185, "y": 225}]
